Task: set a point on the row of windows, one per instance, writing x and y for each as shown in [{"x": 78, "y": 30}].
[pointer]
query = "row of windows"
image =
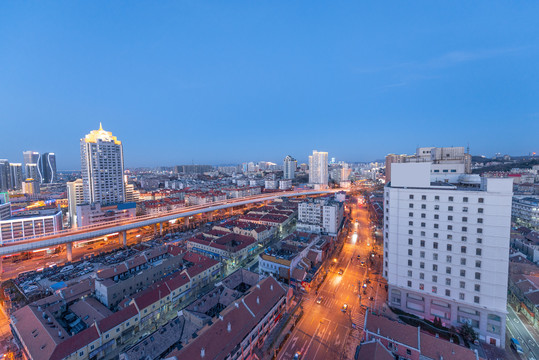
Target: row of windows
[
  {"x": 449, "y": 208},
  {"x": 449, "y": 198},
  {"x": 449, "y": 247},
  {"x": 434, "y": 289},
  {"x": 448, "y": 269}
]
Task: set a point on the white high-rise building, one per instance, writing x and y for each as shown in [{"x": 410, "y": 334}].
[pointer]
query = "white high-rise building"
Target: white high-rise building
[
  {"x": 289, "y": 168},
  {"x": 16, "y": 175},
  {"x": 75, "y": 196},
  {"x": 322, "y": 215},
  {"x": 446, "y": 247},
  {"x": 102, "y": 168},
  {"x": 318, "y": 168}
]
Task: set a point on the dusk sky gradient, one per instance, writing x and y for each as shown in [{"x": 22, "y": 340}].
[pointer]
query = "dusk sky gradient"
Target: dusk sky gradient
[{"x": 218, "y": 82}]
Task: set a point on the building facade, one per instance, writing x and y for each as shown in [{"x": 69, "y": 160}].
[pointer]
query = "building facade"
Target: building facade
[
  {"x": 525, "y": 211},
  {"x": 318, "y": 168},
  {"x": 75, "y": 196},
  {"x": 289, "y": 169},
  {"x": 446, "y": 246},
  {"x": 102, "y": 168},
  {"x": 5, "y": 175},
  {"x": 46, "y": 168},
  {"x": 16, "y": 175},
  {"x": 30, "y": 223},
  {"x": 320, "y": 216}
]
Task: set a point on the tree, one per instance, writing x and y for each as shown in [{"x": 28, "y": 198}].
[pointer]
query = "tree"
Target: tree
[{"x": 467, "y": 332}]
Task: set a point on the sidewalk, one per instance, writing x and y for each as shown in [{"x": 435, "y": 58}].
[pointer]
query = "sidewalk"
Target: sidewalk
[{"x": 280, "y": 333}]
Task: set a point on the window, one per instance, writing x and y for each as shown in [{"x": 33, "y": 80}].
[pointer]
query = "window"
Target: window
[
  {"x": 450, "y": 198},
  {"x": 464, "y": 229},
  {"x": 480, "y": 210},
  {"x": 479, "y": 231},
  {"x": 449, "y": 227},
  {"x": 434, "y": 267},
  {"x": 409, "y": 262},
  {"x": 436, "y": 207},
  {"x": 463, "y": 249},
  {"x": 434, "y": 289},
  {"x": 450, "y": 208},
  {"x": 447, "y": 292},
  {"x": 422, "y": 276},
  {"x": 449, "y": 247},
  {"x": 449, "y": 237},
  {"x": 423, "y": 225},
  {"x": 422, "y": 243},
  {"x": 462, "y": 261},
  {"x": 410, "y": 241},
  {"x": 423, "y": 197},
  {"x": 477, "y": 287},
  {"x": 465, "y": 209},
  {"x": 422, "y": 233},
  {"x": 464, "y": 219},
  {"x": 448, "y": 259},
  {"x": 409, "y": 273},
  {"x": 411, "y": 214},
  {"x": 411, "y": 223},
  {"x": 422, "y": 254},
  {"x": 410, "y": 232},
  {"x": 434, "y": 278},
  {"x": 477, "y": 276},
  {"x": 479, "y": 240},
  {"x": 408, "y": 352},
  {"x": 464, "y": 238},
  {"x": 434, "y": 256},
  {"x": 480, "y": 221},
  {"x": 409, "y": 283},
  {"x": 421, "y": 286},
  {"x": 410, "y": 252},
  {"x": 422, "y": 265},
  {"x": 476, "y": 299},
  {"x": 480, "y": 200},
  {"x": 423, "y": 216},
  {"x": 435, "y": 245},
  {"x": 477, "y": 263},
  {"x": 411, "y": 197},
  {"x": 464, "y": 199},
  {"x": 463, "y": 273},
  {"x": 436, "y": 197},
  {"x": 450, "y": 218},
  {"x": 448, "y": 281},
  {"x": 478, "y": 252},
  {"x": 436, "y": 216},
  {"x": 448, "y": 270},
  {"x": 436, "y": 226},
  {"x": 463, "y": 285},
  {"x": 461, "y": 296},
  {"x": 423, "y": 206},
  {"x": 435, "y": 235},
  {"x": 411, "y": 206}
]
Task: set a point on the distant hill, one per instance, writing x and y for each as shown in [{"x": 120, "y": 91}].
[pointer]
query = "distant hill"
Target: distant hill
[{"x": 523, "y": 164}]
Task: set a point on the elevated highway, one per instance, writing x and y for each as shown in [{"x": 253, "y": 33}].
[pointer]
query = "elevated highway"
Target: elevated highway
[{"x": 69, "y": 236}]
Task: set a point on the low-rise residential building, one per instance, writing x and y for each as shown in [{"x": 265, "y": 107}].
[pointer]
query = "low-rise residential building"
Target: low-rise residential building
[
  {"x": 285, "y": 184},
  {"x": 525, "y": 211},
  {"x": 230, "y": 248},
  {"x": 261, "y": 233},
  {"x": 322, "y": 215},
  {"x": 90, "y": 214},
  {"x": 240, "y": 328},
  {"x": 409, "y": 342}
]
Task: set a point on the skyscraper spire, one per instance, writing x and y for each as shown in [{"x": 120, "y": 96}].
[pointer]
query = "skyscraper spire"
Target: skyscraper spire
[{"x": 100, "y": 126}]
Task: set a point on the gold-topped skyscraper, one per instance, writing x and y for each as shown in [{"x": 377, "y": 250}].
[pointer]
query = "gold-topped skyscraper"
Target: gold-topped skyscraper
[{"x": 102, "y": 167}]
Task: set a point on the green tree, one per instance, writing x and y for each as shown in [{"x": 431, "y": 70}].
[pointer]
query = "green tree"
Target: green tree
[{"x": 467, "y": 332}]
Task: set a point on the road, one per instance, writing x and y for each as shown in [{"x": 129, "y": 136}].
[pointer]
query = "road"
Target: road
[
  {"x": 518, "y": 330},
  {"x": 324, "y": 330}
]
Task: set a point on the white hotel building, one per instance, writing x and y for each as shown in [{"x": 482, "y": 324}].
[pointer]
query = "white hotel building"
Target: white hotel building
[{"x": 446, "y": 248}]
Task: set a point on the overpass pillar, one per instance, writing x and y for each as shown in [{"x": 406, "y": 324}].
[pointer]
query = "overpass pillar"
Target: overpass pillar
[
  {"x": 69, "y": 250},
  {"x": 186, "y": 220},
  {"x": 161, "y": 229},
  {"x": 154, "y": 229},
  {"x": 210, "y": 216},
  {"x": 124, "y": 238}
]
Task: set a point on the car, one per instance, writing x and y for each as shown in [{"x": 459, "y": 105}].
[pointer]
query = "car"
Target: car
[
  {"x": 297, "y": 355},
  {"x": 319, "y": 300},
  {"x": 364, "y": 285},
  {"x": 515, "y": 344},
  {"x": 362, "y": 263},
  {"x": 341, "y": 271},
  {"x": 358, "y": 256},
  {"x": 344, "y": 307}
]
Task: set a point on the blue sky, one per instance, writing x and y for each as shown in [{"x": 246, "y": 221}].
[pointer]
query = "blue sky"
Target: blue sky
[{"x": 227, "y": 81}]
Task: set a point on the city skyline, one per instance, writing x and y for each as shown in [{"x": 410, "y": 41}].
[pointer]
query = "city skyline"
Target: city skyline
[{"x": 256, "y": 73}]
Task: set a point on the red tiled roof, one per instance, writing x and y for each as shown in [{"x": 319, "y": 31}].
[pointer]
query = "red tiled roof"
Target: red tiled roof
[
  {"x": 74, "y": 343},
  {"x": 117, "y": 318}
]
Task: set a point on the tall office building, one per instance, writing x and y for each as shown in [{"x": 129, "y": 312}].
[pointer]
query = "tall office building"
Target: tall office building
[
  {"x": 446, "y": 246},
  {"x": 30, "y": 187},
  {"x": 318, "y": 168},
  {"x": 47, "y": 168},
  {"x": 102, "y": 167},
  {"x": 16, "y": 175},
  {"x": 290, "y": 165},
  {"x": 5, "y": 175},
  {"x": 75, "y": 196},
  {"x": 31, "y": 158}
]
